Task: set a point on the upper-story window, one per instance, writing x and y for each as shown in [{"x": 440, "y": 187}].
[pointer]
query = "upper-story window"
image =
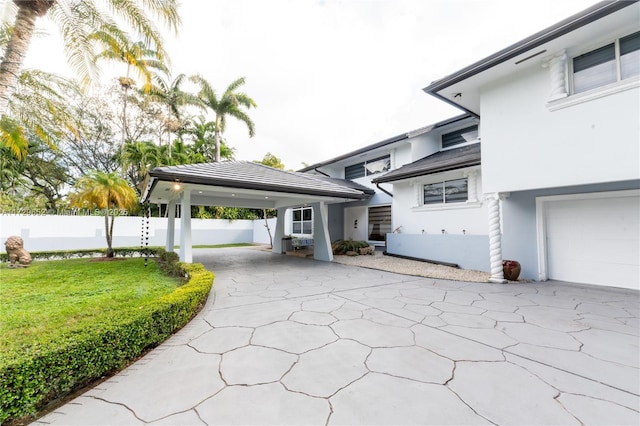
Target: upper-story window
[
  {"x": 367, "y": 168},
  {"x": 459, "y": 137},
  {"x": 607, "y": 64}
]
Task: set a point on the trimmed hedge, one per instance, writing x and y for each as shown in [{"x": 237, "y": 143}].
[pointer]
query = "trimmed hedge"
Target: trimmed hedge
[
  {"x": 72, "y": 254},
  {"x": 49, "y": 370}
]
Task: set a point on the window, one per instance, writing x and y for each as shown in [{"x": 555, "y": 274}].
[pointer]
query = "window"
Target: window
[
  {"x": 379, "y": 223},
  {"x": 614, "y": 62},
  {"x": 367, "y": 168},
  {"x": 466, "y": 135},
  {"x": 450, "y": 191},
  {"x": 302, "y": 220}
]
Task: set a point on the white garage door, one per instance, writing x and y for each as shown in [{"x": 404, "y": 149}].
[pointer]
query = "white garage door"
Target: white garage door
[{"x": 594, "y": 238}]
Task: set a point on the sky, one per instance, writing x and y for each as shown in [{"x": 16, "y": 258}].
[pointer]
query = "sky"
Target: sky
[{"x": 332, "y": 76}]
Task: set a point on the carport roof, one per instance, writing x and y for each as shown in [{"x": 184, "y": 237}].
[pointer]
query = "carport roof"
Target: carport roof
[
  {"x": 255, "y": 177},
  {"x": 442, "y": 161}
]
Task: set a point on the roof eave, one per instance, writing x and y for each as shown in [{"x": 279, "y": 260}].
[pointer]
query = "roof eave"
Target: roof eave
[
  {"x": 415, "y": 174},
  {"x": 572, "y": 23},
  {"x": 197, "y": 180}
]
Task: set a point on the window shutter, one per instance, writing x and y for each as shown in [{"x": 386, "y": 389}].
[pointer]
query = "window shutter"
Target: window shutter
[{"x": 593, "y": 58}]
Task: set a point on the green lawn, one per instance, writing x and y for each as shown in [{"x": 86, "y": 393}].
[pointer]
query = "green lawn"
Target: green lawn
[{"x": 51, "y": 299}]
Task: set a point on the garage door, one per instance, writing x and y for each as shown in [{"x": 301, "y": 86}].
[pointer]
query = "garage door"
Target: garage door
[{"x": 594, "y": 238}]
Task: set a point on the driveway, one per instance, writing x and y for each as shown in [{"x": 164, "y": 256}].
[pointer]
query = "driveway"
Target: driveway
[{"x": 285, "y": 340}]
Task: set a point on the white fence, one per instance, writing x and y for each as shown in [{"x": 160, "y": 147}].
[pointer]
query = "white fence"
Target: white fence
[{"x": 58, "y": 232}]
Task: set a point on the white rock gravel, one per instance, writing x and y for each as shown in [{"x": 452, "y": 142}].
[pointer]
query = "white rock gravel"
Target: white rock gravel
[{"x": 412, "y": 267}]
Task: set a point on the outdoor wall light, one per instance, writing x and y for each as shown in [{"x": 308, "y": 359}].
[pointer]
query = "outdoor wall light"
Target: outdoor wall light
[
  {"x": 177, "y": 186},
  {"x": 443, "y": 231}
]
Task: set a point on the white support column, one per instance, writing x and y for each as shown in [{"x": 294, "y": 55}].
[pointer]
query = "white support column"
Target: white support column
[
  {"x": 495, "y": 238},
  {"x": 321, "y": 240},
  {"x": 171, "y": 226},
  {"x": 278, "y": 235},
  {"x": 186, "y": 250}
]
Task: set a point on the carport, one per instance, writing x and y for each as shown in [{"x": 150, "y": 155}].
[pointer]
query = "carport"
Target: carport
[{"x": 250, "y": 185}]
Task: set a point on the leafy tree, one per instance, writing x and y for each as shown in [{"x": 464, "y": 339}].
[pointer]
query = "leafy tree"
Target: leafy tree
[
  {"x": 45, "y": 173},
  {"x": 272, "y": 161},
  {"x": 80, "y": 22},
  {"x": 94, "y": 146},
  {"x": 106, "y": 191},
  {"x": 231, "y": 103},
  {"x": 201, "y": 134}
]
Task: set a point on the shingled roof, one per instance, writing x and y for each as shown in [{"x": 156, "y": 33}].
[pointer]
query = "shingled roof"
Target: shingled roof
[
  {"x": 255, "y": 176},
  {"x": 442, "y": 161}
]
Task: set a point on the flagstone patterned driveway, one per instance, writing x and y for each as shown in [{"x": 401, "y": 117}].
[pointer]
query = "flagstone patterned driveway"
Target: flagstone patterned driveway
[{"x": 285, "y": 340}]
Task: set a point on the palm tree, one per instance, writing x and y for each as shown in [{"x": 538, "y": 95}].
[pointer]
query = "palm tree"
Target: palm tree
[
  {"x": 41, "y": 106},
  {"x": 137, "y": 159},
  {"x": 137, "y": 56},
  {"x": 171, "y": 95},
  {"x": 202, "y": 134},
  {"x": 79, "y": 21},
  {"x": 106, "y": 191},
  {"x": 229, "y": 104}
]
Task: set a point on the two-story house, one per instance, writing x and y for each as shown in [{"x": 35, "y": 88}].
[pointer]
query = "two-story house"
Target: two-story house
[
  {"x": 555, "y": 185},
  {"x": 426, "y": 182},
  {"x": 560, "y": 128}
]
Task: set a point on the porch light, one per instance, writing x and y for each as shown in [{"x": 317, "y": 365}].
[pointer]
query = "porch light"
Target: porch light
[{"x": 177, "y": 186}]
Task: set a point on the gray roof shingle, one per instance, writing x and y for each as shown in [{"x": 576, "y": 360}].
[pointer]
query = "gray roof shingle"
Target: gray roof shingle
[
  {"x": 249, "y": 175},
  {"x": 442, "y": 161}
]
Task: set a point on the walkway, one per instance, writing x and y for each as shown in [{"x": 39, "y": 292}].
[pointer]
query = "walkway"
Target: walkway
[{"x": 285, "y": 340}]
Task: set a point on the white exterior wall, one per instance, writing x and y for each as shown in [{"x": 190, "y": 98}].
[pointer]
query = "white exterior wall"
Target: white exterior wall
[
  {"x": 526, "y": 146},
  {"x": 454, "y": 218},
  {"x": 48, "y": 232},
  {"x": 424, "y": 145}
]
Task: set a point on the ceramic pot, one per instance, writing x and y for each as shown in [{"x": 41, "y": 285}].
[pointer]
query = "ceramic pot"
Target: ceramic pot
[{"x": 511, "y": 269}]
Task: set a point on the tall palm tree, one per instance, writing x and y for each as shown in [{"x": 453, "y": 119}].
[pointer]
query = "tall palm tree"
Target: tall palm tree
[
  {"x": 106, "y": 191},
  {"x": 77, "y": 20},
  {"x": 171, "y": 95},
  {"x": 231, "y": 103}
]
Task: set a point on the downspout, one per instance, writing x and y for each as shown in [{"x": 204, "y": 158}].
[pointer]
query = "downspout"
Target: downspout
[{"x": 384, "y": 190}]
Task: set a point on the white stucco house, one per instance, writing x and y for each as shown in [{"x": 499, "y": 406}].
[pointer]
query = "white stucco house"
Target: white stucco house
[
  {"x": 556, "y": 183},
  {"x": 560, "y": 128},
  {"x": 542, "y": 166}
]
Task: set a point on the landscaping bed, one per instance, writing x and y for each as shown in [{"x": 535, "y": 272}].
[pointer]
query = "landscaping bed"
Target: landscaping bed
[{"x": 66, "y": 323}]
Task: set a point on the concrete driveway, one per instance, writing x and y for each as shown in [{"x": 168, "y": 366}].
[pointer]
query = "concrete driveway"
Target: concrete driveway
[{"x": 285, "y": 340}]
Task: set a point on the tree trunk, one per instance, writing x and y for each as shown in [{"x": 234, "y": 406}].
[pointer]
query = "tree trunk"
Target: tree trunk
[
  {"x": 15, "y": 52},
  {"x": 216, "y": 136},
  {"x": 107, "y": 233},
  {"x": 266, "y": 225}
]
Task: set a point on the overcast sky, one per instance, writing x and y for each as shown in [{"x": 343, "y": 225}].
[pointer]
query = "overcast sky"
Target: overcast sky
[{"x": 332, "y": 76}]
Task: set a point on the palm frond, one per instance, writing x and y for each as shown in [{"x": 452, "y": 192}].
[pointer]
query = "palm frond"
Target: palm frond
[{"x": 12, "y": 136}]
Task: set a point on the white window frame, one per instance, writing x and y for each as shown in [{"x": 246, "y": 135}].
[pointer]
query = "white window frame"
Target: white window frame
[
  {"x": 302, "y": 221},
  {"x": 617, "y": 59},
  {"x": 596, "y": 92}
]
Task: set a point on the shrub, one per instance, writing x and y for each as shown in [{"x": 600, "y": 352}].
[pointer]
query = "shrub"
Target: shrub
[
  {"x": 35, "y": 375},
  {"x": 71, "y": 254},
  {"x": 344, "y": 246}
]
